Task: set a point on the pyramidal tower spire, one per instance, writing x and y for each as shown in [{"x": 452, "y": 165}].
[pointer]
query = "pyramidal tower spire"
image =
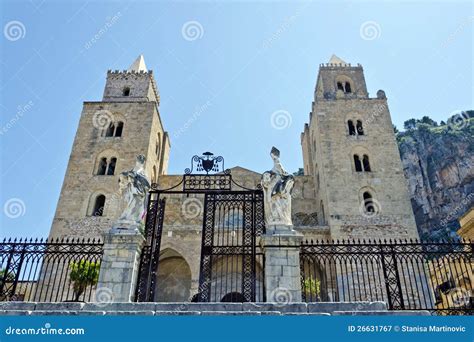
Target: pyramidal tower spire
[
  {"x": 336, "y": 60},
  {"x": 138, "y": 65}
]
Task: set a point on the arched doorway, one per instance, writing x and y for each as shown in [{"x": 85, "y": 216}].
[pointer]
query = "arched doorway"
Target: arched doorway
[
  {"x": 173, "y": 279},
  {"x": 233, "y": 297}
]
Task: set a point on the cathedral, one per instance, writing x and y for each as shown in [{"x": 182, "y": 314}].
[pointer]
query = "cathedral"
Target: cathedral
[{"x": 352, "y": 187}]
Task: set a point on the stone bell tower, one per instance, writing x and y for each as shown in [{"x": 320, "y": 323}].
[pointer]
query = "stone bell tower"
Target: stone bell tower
[
  {"x": 110, "y": 135},
  {"x": 349, "y": 148}
]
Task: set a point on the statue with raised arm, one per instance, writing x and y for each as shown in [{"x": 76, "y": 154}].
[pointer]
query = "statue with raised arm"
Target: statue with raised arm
[
  {"x": 134, "y": 187},
  {"x": 277, "y": 185}
]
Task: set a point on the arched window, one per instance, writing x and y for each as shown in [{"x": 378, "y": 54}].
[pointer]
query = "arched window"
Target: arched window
[
  {"x": 110, "y": 130},
  {"x": 369, "y": 206},
  {"x": 102, "y": 167},
  {"x": 119, "y": 129},
  {"x": 365, "y": 162},
  {"x": 357, "y": 163},
  {"x": 99, "y": 206},
  {"x": 348, "y": 88},
  {"x": 350, "y": 124},
  {"x": 111, "y": 168},
  {"x": 126, "y": 91},
  {"x": 360, "y": 129},
  {"x": 339, "y": 86}
]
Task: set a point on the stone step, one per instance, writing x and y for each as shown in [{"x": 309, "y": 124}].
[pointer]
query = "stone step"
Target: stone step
[
  {"x": 205, "y": 309},
  {"x": 206, "y": 313}
]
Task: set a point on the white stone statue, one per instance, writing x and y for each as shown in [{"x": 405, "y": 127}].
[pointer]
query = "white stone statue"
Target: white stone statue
[
  {"x": 277, "y": 186},
  {"x": 134, "y": 187}
]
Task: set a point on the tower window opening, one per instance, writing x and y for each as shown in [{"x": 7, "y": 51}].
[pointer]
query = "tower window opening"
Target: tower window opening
[
  {"x": 111, "y": 168},
  {"x": 99, "y": 206},
  {"x": 119, "y": 129},
  {"x": 102, "y": 167},
  {"x": 339, "y": 86},
  {"x": 369, "y": 206},
  {"x": 110, "y": 130},
  {"x": 350, "y": 124},
  {"x": 357, "y": 163},
  {"x": 360, "y": 129},
  {"x": 126, "y": 91},
  {"x": 365, "y": 162},
  {"x": 347, "y": 88}
]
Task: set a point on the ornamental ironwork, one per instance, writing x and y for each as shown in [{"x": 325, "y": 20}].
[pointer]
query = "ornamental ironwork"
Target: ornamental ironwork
[
  {"x": 207, "y": 163},
  {"x": 407, "y": 275}
]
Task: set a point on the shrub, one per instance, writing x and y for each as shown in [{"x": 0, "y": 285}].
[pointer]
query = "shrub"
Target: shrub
[{"x": 83, "y": 273}]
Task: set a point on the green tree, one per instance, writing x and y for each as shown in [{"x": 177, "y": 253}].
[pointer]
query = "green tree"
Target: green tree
[
  {"x": 410, "y": 124},
  {"x": 10, "y": 276},
  {"x": 312, "y": 287},
  {"x": 429, "y": 121},
  {"x": 83, "y": 273},
  {"x": 395, "y": 129}
]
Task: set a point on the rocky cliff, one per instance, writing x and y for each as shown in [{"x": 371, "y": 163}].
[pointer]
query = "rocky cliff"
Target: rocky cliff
[{"x": 438, "y": 164}]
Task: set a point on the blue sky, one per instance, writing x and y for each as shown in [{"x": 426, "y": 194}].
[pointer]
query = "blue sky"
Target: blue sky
[{"x": 249, "y": 59}]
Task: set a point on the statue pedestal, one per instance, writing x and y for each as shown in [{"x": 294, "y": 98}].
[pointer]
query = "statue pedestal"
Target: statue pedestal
[
  {"x": 120, "y": 264},
  {"x": 280, "y": 229},
  {"x": 282, "y": 265}
]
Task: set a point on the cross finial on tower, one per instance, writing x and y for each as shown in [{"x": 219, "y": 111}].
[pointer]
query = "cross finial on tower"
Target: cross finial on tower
[{"x": 138, "y": 65}]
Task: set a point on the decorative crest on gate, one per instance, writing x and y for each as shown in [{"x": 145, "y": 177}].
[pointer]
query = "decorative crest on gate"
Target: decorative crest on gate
[{"x": 206, "y": 163}]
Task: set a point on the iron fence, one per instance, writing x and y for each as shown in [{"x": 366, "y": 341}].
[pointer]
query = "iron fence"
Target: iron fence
[
  {"x": 407, "y": 275},
  {"x": 50, "y": 270}
]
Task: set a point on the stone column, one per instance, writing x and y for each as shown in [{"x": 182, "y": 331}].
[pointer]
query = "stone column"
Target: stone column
[
  {"x": 120, "y": 263},
  {"x": 282, "y": 265}
]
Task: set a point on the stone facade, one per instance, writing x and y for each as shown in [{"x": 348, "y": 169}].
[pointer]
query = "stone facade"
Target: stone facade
[
  {"x": 329, "y": 148},
  {"x": 326, "y": 199},
  {"x": 143, "y": 133}
]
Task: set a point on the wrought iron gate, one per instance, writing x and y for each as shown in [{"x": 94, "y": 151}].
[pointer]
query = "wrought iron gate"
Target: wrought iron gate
[
  {"x": 145, "y": 291},
  {"x": 231, "y": 262}
]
